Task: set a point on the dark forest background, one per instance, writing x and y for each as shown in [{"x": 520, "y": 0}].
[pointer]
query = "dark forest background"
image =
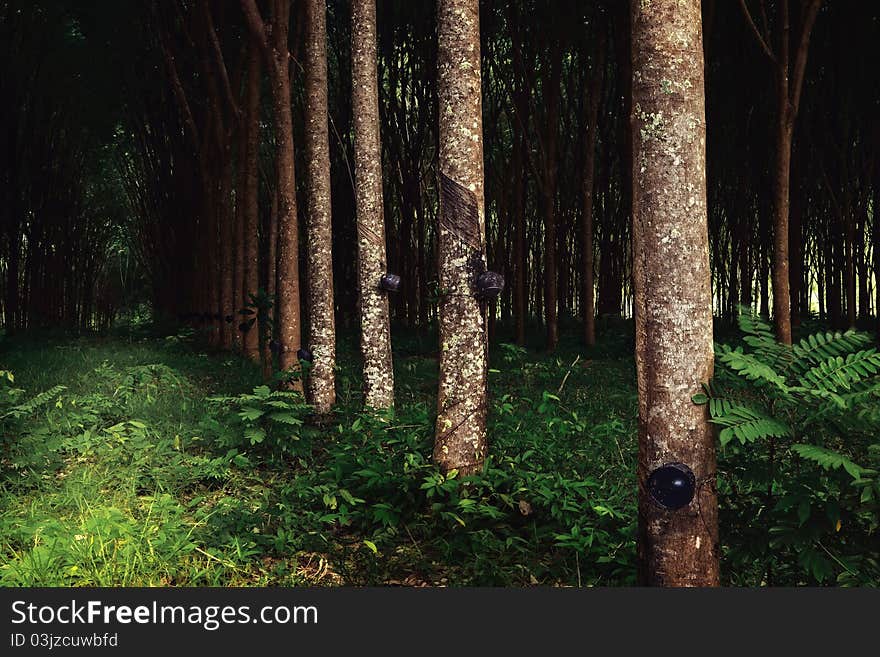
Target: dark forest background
[{"x": 102, "y": 208}]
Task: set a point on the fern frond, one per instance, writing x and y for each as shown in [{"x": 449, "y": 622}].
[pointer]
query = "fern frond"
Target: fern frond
[
  {"x": 752, "y": 324},
  {"x": 760, "y": 337},
  {"x": 838, "y": 373},
  {"x": 832, "y": 400},
  {"x": 744, "y": 423},
  {"x": 869, "y": 414},
  {"x": 750, "y": 367},
  {"x": 26, "y": 408},
  {"x": 819, "y": 347},
  {"x": 828, "y": 459}
]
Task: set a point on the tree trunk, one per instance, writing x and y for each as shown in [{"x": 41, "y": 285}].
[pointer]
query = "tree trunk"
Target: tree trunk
[
  {"x": 832, "y": 284},
  {"x": 781, "y": 293},
  {"x": 673, "y": 303},
  {"x": 461, "y": 414},
  {"x": 422, "y": 267},
  {"x": 238, "y": 286},
  {"x": 594, "y": 91},
  {"x": 745, "y": 265},
  {"x": 520, "y": 252},
  {"x": 227, "y": 252},
  {"x": 764, "y": 275},
  {"x": 268, "y": 316},
  {"x": 251, "y": 210},
  {"x": 274, "y": 41},
  {"x": 875, "y": 246},
  {"x": 620, "y": 250},
  {"x": 789, "y": 82},
  {"x": 789, "y": 77},
  {"x": 287, "y": 294},
  {"x": 372, "y": 260},
  {"x": 322, "y": 326},
  {"x": 820, "y": 283},
  {"x": 12, "y": 321},
  {"x": 848, "y": 269},
  {"x": 733, "y": 292},
  {"x": 211, "y": 272},
  {"x": 548, "y": 197},
  {"x": 796, "y": 246},
  {"x": 410, "y": 201},
  {"x": 563, "y": 265},
  {"x": 862, "y": 262}
]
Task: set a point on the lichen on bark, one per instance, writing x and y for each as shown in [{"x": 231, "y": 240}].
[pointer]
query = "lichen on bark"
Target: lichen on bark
[
  {"x": 460, "y": 442},
  {"x": 372, "y": 263},
  {"x": 673, "y": 310},
  {"x": 322, "y": 329},
  {"x": 250, "y": 202}
]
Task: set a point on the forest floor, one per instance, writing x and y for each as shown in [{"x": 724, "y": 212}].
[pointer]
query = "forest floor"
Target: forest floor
[
  {"x": 131, "y": 475},
  {"x": 162, "y": 463}
]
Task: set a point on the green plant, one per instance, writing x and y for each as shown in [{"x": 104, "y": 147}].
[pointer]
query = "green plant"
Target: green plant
[
  {"x": 799, "y": 427},
  {"x": 273, "y": 417},
  {"x": 13, "y": 411},
  {"x": 258, "y": 310}
]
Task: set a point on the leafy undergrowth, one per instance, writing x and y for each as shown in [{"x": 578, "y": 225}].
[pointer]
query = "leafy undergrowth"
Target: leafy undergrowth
[
  {"x": 799, "y": 429},
  {"x": 159, "y": 464},
  {"x": 155, "y": 463}
]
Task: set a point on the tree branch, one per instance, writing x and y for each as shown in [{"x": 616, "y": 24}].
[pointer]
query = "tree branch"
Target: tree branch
[
  {"x": 218, "y": 56},
  {"x": 761, "y": 41},
  {"x": 179, "y": 92},
  {"x": 255, "y": 23},
  {"x": 800, "y": 58}
]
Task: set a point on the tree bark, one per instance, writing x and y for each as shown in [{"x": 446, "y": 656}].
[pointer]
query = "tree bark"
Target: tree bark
[
  {"x": 11, "y": 312},
  {"x": 287, "y": 296},
  {"x": 422, "y": 267},
  {"x": 548, "y": 197},
  {"x": 460, "y": 442},
  {"x": 594, "y": 91},
  {"x": 250, "y": 202},
  {"x": 519, "y": 120},
  {"x": 745, "y": 262},
  {"x": 227, "y": 253},
  {"x": 222, "y": 120},
  {"x": 862, "y": 261},
  {"x": 274, "y": 39},
  {"x": 876, "y": 250},
  {"x": 849, "y": 270},
  {"x": 673, "y": 303},
  {"x": 875, "y": 245},
  {"x": 764, "y": 273},
  {"x": 520, "y": 251},
  {"x": 832, "y": 282},
  {"x": 796, "y": 244},
  {"x": 322, "y": 325},
  {"x": 372, "y": 259},
  {"x": 268, "y": 317},
  {"x": 782, "y": 181},
  {"x": 239, "y": 298}
]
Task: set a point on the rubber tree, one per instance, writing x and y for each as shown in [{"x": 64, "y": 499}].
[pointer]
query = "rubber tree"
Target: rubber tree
[
  {"x": 789, "y": 72},
  {"x": 250, "y": 202},
  {"x": 272, "y": 37},
  {"x": 322, "y": 327},
  {"x": 594, "y": 93},
  {"x": 372, "y": 259},
  {"x": 677, "y": 542},
  {"x": 460, "y": 442}
]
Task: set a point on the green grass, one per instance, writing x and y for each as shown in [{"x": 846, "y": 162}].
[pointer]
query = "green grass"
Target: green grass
[{"x": 108, "y": 485}]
